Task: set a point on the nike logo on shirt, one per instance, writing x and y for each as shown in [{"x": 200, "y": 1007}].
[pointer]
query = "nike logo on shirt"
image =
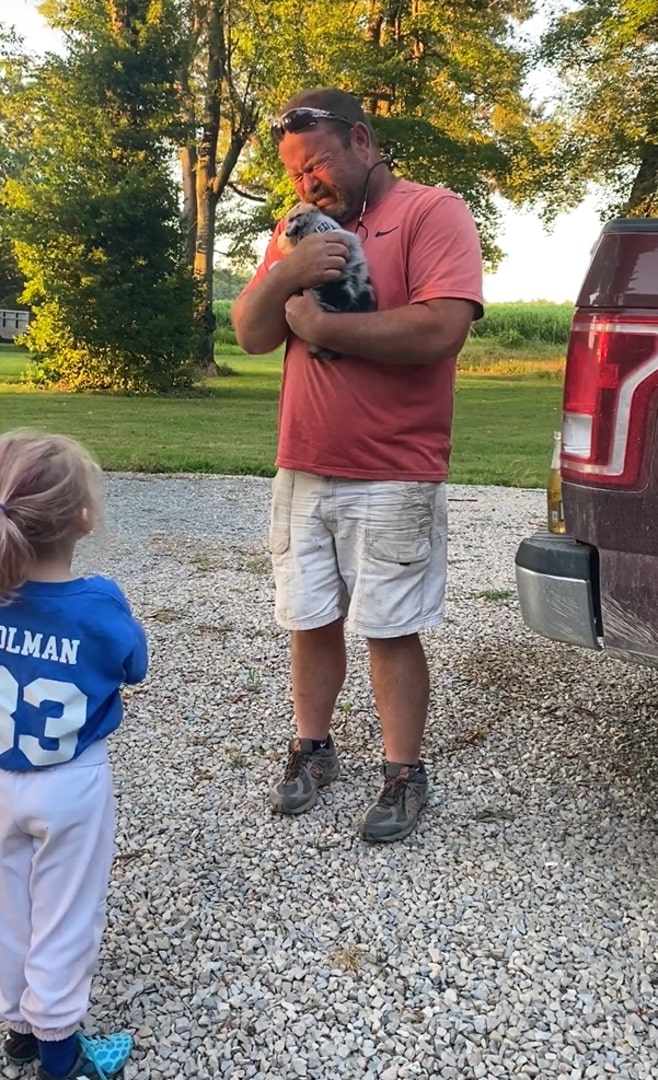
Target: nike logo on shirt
[{"x": 385, "y": 232}]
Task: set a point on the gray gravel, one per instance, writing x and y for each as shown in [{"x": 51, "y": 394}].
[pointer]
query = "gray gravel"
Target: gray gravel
[{"x": 514, "y": 935}]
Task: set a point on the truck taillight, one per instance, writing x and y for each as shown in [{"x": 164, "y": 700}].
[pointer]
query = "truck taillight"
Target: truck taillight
[{"x": 610, "y": 383}]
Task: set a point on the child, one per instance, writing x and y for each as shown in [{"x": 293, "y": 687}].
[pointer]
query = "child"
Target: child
[{"x": 66, "y": 646}]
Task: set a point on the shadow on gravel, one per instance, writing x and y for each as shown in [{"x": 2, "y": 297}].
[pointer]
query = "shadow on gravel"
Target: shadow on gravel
[{"x": 584, "y": 711}]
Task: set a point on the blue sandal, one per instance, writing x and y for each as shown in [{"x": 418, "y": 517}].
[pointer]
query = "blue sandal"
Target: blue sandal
[{"x": 108, "y": 1054}]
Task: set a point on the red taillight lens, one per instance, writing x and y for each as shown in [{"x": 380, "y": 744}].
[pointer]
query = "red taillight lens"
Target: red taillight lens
[{"x": 610, "y": 383}]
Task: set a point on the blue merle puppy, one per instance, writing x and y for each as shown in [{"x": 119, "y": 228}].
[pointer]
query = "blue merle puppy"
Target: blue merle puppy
[{"x": 351, "y": 292}]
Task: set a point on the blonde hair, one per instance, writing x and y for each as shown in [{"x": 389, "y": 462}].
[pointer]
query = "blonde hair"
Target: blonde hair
[{"x": 46, "y": 483}]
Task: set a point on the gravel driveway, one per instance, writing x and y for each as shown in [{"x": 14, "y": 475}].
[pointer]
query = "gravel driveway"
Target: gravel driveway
[{"x": 514, "y": 935}]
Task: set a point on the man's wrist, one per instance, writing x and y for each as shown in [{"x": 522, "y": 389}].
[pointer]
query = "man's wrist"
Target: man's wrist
[
  {"x": 286, "y": 280},
  {"x": 321, "y": 319},
  {"x": 325, "y": 323}
]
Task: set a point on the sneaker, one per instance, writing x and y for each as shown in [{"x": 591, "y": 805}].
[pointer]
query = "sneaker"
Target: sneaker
[
  {"x": 307, "y": 770},
  {"x": 21, "y": 1048},
  {"x": 97, "y": 1059},
  {"x": 395, "y": 813}
]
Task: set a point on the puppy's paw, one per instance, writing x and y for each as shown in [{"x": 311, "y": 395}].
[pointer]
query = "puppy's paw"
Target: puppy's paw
[{"x": 284, "y": 243}]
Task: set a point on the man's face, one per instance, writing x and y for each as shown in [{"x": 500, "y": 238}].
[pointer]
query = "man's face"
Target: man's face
[{"x": 324, "y": 171}]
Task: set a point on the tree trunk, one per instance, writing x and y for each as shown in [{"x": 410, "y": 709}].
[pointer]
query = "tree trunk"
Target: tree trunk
[
  {"x": 373, "y": 35},
  {"x": 384, "y": 24},
  {"x": 643, "y": 199},
  {"x": 187, "y": 158},
  {"x": 206, "y": 206},
  {"x": 206, "y": 170},
  {"x": 203, "y": 178}
]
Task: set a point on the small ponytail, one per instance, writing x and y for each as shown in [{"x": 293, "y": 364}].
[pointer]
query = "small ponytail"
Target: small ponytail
[{"x": 16, "y": 554}]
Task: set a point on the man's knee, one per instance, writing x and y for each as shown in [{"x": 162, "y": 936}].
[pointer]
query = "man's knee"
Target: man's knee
[
  {"x": 383, "y": 644},
  {"x": 331, "y": 631}
]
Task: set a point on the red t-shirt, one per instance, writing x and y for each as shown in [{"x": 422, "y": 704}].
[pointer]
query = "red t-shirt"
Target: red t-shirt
[{"x": 359, "y": 419}]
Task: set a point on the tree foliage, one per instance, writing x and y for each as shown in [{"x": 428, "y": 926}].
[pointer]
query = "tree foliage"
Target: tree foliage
[
  {"x": 94, "y": 214},
  {"x": 605, "y": 53},
  {"x": 445, "y": 88},
  {"x": 12, "y": 154},
  {"x": 235, "y": 57}
]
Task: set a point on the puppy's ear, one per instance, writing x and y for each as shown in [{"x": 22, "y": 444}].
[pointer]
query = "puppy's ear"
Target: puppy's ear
[
  {"x": 285, "y": 242},
  {"x": 296, "y": 210}
]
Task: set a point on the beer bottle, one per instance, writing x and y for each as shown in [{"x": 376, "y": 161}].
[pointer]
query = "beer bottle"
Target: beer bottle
[{"x": 554, "y": 489}]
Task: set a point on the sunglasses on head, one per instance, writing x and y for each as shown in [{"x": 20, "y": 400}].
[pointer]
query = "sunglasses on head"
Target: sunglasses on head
[{"x": 296, "y": 120}]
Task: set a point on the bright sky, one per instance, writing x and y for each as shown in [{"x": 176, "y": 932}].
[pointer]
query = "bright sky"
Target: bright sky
[{"x": 537, "y": 265}]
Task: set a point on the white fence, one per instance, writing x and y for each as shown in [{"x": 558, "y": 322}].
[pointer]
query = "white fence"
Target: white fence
[{"x": 12, "y": 323}]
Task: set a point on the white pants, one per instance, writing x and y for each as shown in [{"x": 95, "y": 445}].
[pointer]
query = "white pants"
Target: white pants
[
  {"x": 372, "y": 552},
  {"x": 56, "y": 849}
]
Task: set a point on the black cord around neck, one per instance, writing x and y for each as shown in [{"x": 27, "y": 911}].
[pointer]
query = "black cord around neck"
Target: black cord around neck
[{"x": 361, "y": 223}]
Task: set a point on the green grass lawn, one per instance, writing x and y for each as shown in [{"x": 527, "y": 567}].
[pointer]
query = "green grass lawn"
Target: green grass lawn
[
  {"x": 12, "y": 364},
  {"x": 503, "y": 422}
]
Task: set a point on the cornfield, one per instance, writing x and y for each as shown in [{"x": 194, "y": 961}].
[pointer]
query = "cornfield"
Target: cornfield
[
  {"x": 520, "y": 324},
  {"x": 506, "y": 326}
]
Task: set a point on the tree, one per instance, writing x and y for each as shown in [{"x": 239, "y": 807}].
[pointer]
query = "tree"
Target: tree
[
  {"x": 94, "y": 215},
  {"x": 12, "y": 153},
  {"x": 605, "y": 53},
  {"x": 226, "y": 58},
  {"x": 445, "y": 89},
  {"x": 210, "y": 106},
  {"x": 235, "y": 60}
]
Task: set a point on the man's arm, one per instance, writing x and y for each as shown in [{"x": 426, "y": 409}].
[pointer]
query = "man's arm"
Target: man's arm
[
  {"x": 421, "y": 333},
  {"x": 258, "y": 315}
]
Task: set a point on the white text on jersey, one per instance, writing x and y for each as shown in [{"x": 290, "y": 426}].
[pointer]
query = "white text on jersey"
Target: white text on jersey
[{"x": 27, "y": 643}]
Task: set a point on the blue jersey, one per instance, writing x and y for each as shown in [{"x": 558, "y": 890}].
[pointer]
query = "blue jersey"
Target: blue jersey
[{"x": 65, "y": 650}]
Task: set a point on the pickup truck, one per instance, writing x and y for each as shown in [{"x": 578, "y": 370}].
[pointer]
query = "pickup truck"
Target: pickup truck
[{"x": 596, "y": 584}]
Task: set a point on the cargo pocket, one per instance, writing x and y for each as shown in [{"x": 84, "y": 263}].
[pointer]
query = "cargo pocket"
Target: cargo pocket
[
  {"x": 402, "y": 534},
  {"x": 279, "y": 535},
  {"x": 401, "y": 550},
  {"x": 390, "y": 595}
]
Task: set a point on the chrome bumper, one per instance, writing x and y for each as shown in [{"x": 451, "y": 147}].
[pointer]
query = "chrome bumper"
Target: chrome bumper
[{"x": 557, "y": 584}]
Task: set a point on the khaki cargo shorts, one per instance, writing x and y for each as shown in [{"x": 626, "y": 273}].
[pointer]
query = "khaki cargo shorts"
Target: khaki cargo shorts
[{"x": 372, "y": 552}]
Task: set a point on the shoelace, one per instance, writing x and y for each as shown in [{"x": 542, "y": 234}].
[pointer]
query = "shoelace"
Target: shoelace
[
  {"x": 294, "y": 764},
  {"x": 88, "y": 1047},
  {"x": 389, "y": 792}
]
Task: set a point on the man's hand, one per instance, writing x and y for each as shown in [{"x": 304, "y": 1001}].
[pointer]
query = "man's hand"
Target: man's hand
[
  {"x": 315, "y": 260},
  {"x": 304, "y": 317},
  {"x": 258, "y": 314}
]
